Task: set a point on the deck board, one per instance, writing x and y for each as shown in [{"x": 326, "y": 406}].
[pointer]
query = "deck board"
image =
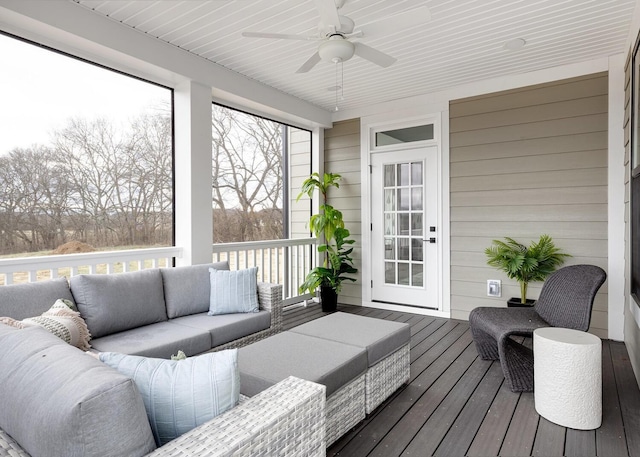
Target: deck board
[
  {"x": 457, "y": 404},
  {"x": 610, "y": 436}
]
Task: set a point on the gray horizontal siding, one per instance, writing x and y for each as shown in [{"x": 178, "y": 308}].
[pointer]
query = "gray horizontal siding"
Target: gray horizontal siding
[{"x": 523, "y": 163}]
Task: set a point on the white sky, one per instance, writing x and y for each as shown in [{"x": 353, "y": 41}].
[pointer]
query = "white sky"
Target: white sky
[{"x": 40, "y": 90}]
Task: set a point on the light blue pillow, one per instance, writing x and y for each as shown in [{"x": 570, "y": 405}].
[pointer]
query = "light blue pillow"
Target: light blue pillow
[
  {"x": 179, "y": 395},
  {"x": 233, "y": 291}
]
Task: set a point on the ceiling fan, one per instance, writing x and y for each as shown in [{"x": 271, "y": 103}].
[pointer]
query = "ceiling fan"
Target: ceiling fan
[{"x": 336, "y": 31}]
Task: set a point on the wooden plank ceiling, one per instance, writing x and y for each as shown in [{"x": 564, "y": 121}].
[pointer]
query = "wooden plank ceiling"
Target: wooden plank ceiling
[{"x": 462, "y": 42}]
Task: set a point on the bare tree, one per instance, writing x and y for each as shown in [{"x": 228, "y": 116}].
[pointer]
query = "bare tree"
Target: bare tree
[
  {"x": 33, "y": 194},
  {"x": 247, "y": 177}
]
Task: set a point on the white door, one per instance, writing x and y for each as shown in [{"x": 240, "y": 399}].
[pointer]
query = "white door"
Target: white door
[{"x": 404, "y": 235}]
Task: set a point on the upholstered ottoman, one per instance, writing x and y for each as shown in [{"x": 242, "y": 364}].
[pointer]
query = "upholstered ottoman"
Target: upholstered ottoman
[
  {"x": 339, "y": 367},
  {"x": 386, "y": 343}
]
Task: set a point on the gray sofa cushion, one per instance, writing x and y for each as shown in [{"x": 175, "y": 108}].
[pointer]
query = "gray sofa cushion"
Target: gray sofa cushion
[
  {"x": 187, "y": 289},
  {"x": 160, "y": 340},
  {"x": 56, "y": 400},
  {"x": 116, "y": 302},
  {"x": 380, "y": 337},
  {"x": 20, "y": 301},
  {"x": 227, "y": 327},
  {"x": 269, "y": 361}
]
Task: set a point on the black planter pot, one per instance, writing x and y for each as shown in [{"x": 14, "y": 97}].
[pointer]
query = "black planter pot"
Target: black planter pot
[
  {"x": 516, "y": 302},
  {"x": 329, "y": 298}
]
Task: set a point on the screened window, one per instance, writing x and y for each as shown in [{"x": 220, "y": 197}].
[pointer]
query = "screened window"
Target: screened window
[
  {"x": 250, "y": 169},
  {"x": 85, "y": 155}
]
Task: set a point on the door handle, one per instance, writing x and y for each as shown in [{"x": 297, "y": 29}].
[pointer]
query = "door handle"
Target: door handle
[{"x": 430, "y": 240}]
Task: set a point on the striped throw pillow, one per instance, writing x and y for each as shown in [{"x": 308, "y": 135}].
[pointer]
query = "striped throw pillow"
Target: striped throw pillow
[
  {"x": 179, "y": 395},
  {"x": 233, "y": 291},
  {"x": 63, "y": 320}
]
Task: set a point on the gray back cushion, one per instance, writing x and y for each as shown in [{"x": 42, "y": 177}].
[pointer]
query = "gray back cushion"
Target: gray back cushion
[
  {"x": 28, "y": 300},
  {"x": 187, "y": 289},
  {"x": 56, "y": 400},
  {"x": 116, "y": 302}
]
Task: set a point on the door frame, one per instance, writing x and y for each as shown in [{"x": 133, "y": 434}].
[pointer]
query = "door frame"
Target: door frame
[{"x": 368, "y": 126}]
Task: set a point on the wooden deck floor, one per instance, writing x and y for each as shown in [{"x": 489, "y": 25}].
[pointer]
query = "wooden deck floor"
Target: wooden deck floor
[{"x": 457, "y": 404}]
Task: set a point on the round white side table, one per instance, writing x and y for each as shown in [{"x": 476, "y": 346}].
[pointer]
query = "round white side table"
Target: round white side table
[{"x": 567, "y": 373}]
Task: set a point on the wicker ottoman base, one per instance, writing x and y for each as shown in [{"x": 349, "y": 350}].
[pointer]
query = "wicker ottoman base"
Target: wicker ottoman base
[
  {"x": 385, "y": 377},
  {"x": 386, "y": 343},
  {"x": 341, "y": 368},
  {"x": 345, "y": 408}
]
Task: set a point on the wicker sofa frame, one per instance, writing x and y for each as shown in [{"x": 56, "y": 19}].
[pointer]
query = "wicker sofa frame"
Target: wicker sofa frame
[{"x": 286, "y": 419}]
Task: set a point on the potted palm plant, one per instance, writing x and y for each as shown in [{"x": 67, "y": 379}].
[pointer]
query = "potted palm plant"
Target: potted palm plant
[
  {"x": 525, "y": 263},
  {"x": 335, "y": 244}
]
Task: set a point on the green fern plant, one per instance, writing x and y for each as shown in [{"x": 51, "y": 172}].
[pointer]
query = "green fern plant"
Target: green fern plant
[{"x": 523, "y": 263}]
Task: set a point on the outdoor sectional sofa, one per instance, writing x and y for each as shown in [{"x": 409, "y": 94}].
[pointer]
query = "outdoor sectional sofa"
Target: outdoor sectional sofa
[
  {"x": 153, "y": 312},
  {"x": 57, "y": 400},
  {"x": 299, "y": 390}
]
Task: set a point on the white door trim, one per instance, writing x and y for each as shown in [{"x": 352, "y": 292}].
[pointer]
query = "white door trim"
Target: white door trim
[{"x": 441, "y": 140}]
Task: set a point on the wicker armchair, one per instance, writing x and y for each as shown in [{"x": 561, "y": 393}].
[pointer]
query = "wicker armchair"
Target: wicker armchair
[{"x": 566, "y": 300}]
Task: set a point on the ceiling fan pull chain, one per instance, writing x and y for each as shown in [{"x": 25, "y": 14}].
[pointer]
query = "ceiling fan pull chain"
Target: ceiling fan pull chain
[
  {"x": 336, "y": 108},
  {"x": 342, "y": 81}
]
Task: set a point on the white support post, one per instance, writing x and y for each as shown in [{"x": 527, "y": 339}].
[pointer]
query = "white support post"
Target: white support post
[{"x": 193, "y": 211}]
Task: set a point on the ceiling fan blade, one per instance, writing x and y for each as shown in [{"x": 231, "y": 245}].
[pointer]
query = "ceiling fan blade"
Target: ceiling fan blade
[
  {"x": 373, "y": 55},
  {"x": 279, "y": 36},
  {"x": 328, "y": 14},
  {"x": 397, "y": 22},
  {"x": 309, "y": 64}
]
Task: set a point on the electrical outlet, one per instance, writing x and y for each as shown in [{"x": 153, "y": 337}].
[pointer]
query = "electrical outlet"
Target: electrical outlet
[{"x": 494, "y": 288}]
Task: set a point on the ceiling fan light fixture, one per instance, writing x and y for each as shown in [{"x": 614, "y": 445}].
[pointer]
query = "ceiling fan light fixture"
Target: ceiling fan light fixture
[{"x": 336, "y": 50}]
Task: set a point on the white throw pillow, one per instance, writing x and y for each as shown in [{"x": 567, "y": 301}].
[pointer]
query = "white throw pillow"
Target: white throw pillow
[
  {"x": 233, "y": 291},
  {"x": 179, "y": 395}
]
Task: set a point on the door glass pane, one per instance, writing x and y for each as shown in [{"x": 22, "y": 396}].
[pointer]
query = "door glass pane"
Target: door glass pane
[
  {"x": 417, "y": 278},
  {"x": 403, "y": 214},
  {"x": 416, "y": 198},
  {"x": 403, "y": 174},
  {"x": 389, "y": 200},
  {"x": 389, "y": 249},
  {"x": 389, "y": 175},
  {"x": 403, "y": 224},
  {"x": 417, "y": 249},
  {"x": 389, "y": 273},
  {"x": 404, "y": 195},
  {"x": 416, "y": 174},
  {"x": 390, "y": 224},
  {"x": 403, "y": 274},
  {"x": 416, "y": 224},
  {"x": 403, "y": 248}
]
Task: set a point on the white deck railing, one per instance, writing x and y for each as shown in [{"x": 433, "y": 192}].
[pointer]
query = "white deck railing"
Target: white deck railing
[
  {"x": 285, "y": 262},
  {"x": 31, "y": 269}
]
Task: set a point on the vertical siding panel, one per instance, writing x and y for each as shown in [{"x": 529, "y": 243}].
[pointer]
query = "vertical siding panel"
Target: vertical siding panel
[
  {"x": 488, "y": 200},
  {"x": 299, "y": 170},
  {"x": 342, "y": 156}
]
